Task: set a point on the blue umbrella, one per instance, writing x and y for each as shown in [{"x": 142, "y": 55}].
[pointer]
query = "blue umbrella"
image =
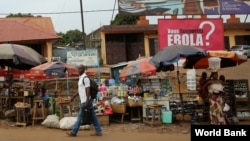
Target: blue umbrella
[
  {"x": 171, "y": 54},
  {"x": 55, "y": 69}
]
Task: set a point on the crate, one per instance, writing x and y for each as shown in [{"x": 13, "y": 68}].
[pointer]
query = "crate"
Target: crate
[
  {"x": 118, "y": 108},
  {"x": 132, "y": 103},
  {"x": 103, "y": 120}
]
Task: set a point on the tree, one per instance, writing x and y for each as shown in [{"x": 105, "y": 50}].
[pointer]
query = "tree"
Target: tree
[
  {"x": 70, "y": 37},
  {"x": 125, "y": 20},
  {"x": 19, "y": 15},
  {"x": 74, "y": 36},
  {"x": 62, "y": 41}
]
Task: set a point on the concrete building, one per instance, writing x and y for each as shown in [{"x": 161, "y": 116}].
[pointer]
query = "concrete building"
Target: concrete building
[{"x": 122, "y": 43}]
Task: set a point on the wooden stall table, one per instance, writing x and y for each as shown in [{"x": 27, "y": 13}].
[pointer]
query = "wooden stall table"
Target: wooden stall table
[
  {"x": 62, "y": 106},
  {"x": 135, "y": 109},
  {"x": 36, "y": 117},
  {"x": 13, "y": 99},
  {"x": 63, "y": 102},
  {"x": 154, "y": 120},
  {"x": 23, "y": 115},
  {"x": 135, "y": 113}
]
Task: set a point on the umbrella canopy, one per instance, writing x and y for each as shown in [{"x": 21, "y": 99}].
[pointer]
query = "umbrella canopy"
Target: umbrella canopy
[
  {"x": 173, "y": 53},
  {"x": 19, "y": 56},
  {"x": 57, "y": 69},
  {"x": 140, "y": 67},
  {"x": 228, "y": 59}
]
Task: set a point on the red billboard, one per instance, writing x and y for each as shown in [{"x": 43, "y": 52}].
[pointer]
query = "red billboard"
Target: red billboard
[{"x": 207, "y": 34}]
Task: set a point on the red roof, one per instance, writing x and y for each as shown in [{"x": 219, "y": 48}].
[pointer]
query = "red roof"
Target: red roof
[{"x": 27, "y": 29}]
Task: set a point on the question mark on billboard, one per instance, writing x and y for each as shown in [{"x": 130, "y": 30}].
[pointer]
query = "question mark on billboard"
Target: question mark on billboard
[{"x": 209, "y": 32}]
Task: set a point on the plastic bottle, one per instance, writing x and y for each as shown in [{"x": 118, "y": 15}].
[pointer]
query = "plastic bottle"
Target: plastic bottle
[{"x": 6, "y": 92}]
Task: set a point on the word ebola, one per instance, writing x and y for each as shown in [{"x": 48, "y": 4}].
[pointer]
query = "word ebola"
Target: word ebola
[{"x": 185, "y": 37}]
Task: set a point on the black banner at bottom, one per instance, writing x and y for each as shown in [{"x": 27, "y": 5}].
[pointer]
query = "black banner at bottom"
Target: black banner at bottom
[{"x": 239, "y": 132}]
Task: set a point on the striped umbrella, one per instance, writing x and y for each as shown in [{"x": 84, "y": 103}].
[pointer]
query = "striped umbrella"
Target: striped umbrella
[
  {"x": 227, "y": 59},
  {"x": 134, "y": 69}
]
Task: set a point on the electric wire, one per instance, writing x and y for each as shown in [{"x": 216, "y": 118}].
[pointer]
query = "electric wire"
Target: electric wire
[{"x": 104, "y": 10}]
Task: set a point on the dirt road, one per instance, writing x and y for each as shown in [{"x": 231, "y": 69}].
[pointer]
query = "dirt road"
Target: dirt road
[{"x": 119, "y": 132}]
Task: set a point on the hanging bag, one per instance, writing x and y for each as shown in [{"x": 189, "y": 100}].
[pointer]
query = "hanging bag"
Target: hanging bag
[
  {"x": 86, "y": 116},
  {"x": 226, "y": 107}
]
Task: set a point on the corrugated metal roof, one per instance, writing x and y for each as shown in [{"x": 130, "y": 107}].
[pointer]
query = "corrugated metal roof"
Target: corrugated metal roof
[{"x": 27, "y": 29}]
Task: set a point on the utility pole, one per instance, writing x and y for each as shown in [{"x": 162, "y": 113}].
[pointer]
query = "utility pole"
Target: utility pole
[{"x": 83, "y": 31}]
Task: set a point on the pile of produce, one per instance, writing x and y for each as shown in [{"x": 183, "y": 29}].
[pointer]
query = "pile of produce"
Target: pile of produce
[{"x": 22, "y": 104}]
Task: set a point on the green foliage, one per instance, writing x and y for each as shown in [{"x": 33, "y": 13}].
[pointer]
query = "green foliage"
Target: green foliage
[
  {"x": 71, "y": 36},
  {"x": 74, "y": 35},
  {"x": 125, "y": 20},
  {"x": 19, "y": 15},
  {"x": 62, "y": 41}
]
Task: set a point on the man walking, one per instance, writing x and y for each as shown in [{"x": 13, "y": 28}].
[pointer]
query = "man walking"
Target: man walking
[{"x": 86, "y": 102}]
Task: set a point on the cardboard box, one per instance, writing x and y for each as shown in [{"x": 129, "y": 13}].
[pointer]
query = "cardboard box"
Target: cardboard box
[{"x": 103, "y": 120}]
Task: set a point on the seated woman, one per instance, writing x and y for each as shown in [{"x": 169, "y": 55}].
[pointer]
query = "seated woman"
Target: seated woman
[{"x": 42, "y": 96}]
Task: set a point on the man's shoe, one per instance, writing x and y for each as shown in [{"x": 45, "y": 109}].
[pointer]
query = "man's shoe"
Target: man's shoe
[
  {"x": 96, "y": 134},
  {"x": 70, "y": 134}
]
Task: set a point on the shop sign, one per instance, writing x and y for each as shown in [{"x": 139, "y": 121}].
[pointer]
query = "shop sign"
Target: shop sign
[
  {"x": 86, "y": 57},
  {"x": 207, "y": 34}
]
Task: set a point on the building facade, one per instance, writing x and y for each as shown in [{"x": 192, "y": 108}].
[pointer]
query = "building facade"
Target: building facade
[{"x": 122, "y": 43}]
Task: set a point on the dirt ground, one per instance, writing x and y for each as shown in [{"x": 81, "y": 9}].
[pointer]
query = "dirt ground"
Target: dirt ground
[
  {"x": 115, "y": 131},
  {"x": 121, "y": 132}
]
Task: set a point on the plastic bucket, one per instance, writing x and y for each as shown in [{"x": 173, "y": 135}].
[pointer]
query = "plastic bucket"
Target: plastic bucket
[
  {"x": 166, "y": 116},
  {"x": 214, "y": 63}
]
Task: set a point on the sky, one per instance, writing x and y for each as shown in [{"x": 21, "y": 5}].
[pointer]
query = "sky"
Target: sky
[{"x": 66, "y": 15}]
